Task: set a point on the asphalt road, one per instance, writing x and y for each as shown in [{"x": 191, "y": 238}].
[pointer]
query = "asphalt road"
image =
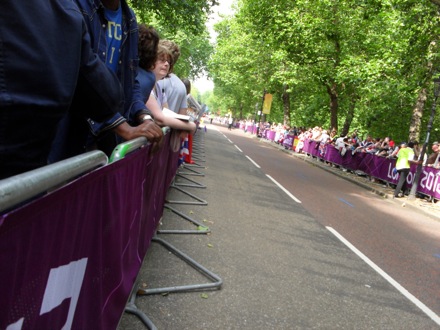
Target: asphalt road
[
  {"x": 403, "y": 242},
  {"x": 296, "y": 248}
]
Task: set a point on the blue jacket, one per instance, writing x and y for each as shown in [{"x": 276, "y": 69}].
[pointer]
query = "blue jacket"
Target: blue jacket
[
  {"x": 46, "y": 60},
  {"x": 147, "y": 80},
  {"x": 93, "y": 11}
]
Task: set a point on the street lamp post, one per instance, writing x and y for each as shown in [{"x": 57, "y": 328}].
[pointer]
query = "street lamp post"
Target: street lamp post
[
  {"x": 260, "y": 112},
  {"x": 257, "y": 105},
  {"x": 412, "y": 194}
]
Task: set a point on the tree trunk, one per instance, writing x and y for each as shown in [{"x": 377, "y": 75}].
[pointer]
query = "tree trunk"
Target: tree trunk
[
  {"x": 349, "y": 118},
  {"x": 417, "y": 113},
  {"x": 286, "y": 106},
  {"x": 416, "y": 118},
  {"x": 332, "y": 92}
]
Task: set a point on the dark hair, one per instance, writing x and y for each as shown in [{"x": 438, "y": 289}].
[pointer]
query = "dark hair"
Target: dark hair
[
  {"x": 187, "y": 84},
  {"x": 147, "y": 46}
]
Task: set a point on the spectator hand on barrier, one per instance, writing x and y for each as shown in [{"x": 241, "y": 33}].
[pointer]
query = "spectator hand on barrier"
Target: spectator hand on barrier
[{"x": 147, "y": 129}]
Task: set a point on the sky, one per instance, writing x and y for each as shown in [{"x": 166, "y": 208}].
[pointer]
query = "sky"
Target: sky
[{"x": 203, "y": 84}]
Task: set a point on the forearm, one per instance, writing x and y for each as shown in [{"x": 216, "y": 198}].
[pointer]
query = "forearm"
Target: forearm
[
  {"x": 148, "y": 129},
  {"x": 155, "y": 110},
  {"x": 162, "y": 120}
]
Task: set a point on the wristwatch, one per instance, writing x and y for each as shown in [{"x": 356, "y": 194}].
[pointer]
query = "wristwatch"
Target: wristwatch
[{"x": 147, "y": 117}]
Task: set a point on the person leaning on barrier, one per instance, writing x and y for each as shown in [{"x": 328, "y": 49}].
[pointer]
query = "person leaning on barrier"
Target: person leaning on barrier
[
  {"x": 175, "y": 91},
  {"x": 433, "y": 158},
  {"x": 154, "y": 63},
  {"x": 171, "y": 84},
  {"x": 147, "y": 49},
  {"x": 114, "y": 33},
  {"x": 47, "y": 61},
  {"x": 418, "y": 152}
]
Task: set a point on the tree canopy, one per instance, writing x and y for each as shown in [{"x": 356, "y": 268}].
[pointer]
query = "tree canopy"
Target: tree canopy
[
  {"x": 365, "y": 65},
  {"x": 184, "y": 23},
  {"x": 345, "y": 64}
]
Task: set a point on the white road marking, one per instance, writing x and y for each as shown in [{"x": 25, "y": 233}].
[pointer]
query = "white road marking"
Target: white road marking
[
  {"x": 256, "y": 165},
  {"x": 393, "y": 282},
  {"x": 284, "y": 189}
]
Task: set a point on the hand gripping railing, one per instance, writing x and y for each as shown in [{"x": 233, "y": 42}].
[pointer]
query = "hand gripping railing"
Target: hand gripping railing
[
  {"x": 20, "y": 188},
  {"x": 125, "y": 148}
]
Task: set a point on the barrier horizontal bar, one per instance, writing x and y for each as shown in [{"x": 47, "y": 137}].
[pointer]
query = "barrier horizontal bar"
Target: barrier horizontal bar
[
  {"x": 22, "y": 187},
  {"x": 123, "y": 149}
]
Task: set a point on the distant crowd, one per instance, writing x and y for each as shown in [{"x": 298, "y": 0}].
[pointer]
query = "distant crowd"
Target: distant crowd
[{"x": 352, "y": 143}]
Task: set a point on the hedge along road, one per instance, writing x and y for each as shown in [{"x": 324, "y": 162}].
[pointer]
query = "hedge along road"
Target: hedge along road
[{"x": 401, "y": 244}]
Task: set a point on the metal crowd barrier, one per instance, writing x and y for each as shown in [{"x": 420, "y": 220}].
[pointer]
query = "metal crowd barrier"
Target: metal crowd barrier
[
  {"x": 20, "y": 188},
  {"x": 72, "y": 239}
]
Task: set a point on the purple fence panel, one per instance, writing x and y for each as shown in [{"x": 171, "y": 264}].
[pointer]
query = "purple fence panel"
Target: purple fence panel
[
  {"x": 288, "y": 141},
  {"x": 70, "y": 258},
  {"x": 270, "y": 135},
  {"x": 378, "y": 167},
  {"x": 332, "y": 155},
  {"x": 429, "y": 182},
  {"x": 311, "y": 148}
]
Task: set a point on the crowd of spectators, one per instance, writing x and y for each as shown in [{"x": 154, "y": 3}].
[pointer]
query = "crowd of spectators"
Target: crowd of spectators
[
  {"x": 86, "y": 94},
  {"x": 404, "y": 153},
  {"x": 352, "y": 142}
]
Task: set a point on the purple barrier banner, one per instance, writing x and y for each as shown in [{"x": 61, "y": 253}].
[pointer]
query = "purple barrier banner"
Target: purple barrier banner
[
  {"x": 288, "y": 141},
  {"x": 70, "y": 258},
  {"x": 429, "y": 182},
  {"x": 250, "y": 129},
  {"x": 270, "y": 135},
  {"x": 377, "y": 167}
]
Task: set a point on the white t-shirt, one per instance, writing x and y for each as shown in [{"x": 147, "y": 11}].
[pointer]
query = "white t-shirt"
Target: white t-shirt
[
  {"x": 175, "y": 91},
  {"x": 339, "y": 143}
]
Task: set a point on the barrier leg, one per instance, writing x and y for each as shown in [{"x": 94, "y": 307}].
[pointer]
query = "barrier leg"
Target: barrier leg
[
  {"x": 216, "y": 284},
  {"x": 199, "y": 200},
  {"x": 131, "y": 308},
  {"x": 192, "y": 171},
  {"x": 194, "y": 184},
  {"x": 202, "y": 229}
]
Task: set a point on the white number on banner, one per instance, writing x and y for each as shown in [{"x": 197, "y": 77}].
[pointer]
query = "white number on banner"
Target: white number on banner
[
  {"x": 17, "y": 325},
  {"x": 63, "y": 282}
]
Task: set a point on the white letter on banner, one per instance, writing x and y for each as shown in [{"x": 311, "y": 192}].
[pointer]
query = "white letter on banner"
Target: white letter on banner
[
  {"x": 437, "y": 185},
  {"x": 17, "y": 325},
  {"x": 430, "y": 180},
  {"x": 424, "y": 178},
  {"x": 390, "y": 171},
  {"x": 409, "y": 178},
  {"x": 64, "y": 282}
]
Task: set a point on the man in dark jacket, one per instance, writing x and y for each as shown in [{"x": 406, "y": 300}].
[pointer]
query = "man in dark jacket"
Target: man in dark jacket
[
  {"x": 114, "y": 36},
  {"x": 46, "y": 61}
]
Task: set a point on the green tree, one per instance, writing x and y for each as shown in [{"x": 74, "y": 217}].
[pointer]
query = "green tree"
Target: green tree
[{"x": 361, "y": 64}]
